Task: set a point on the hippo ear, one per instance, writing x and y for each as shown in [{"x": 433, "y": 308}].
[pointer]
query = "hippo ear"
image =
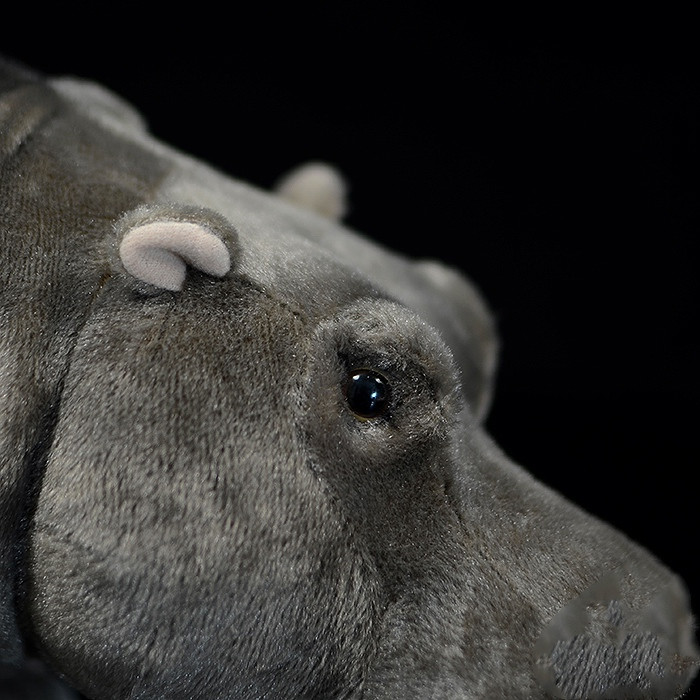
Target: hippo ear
[
  {"x": 316, "y": 186},
  {"x": 156, "y": 247}
]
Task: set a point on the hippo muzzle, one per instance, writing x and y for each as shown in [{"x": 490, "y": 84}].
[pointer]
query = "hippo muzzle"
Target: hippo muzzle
[{"x": 243, "y": 453}]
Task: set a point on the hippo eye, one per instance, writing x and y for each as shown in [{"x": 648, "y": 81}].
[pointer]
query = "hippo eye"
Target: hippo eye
[{"x": 367, "y": 393}]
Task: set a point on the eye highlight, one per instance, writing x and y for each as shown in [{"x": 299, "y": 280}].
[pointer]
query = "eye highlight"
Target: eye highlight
[{"x": 367, "y": 393}]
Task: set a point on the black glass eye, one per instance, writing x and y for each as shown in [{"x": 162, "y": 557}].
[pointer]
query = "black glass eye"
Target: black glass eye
[{"x": 367, "y": 393}]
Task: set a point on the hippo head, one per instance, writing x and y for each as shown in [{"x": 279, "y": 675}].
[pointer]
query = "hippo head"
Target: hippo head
[{"x": 242, "y": 452}]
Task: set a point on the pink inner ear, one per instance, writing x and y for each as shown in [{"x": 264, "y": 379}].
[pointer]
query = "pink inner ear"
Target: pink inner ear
[{"x": 158, "y": 253}]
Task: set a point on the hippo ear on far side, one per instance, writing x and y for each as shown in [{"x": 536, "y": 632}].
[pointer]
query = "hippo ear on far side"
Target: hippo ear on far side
[{"x": 316, "y": 186}]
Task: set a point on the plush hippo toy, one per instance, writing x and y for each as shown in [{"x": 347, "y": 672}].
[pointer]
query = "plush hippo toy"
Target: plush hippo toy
[{"x": 242, "y": 452}]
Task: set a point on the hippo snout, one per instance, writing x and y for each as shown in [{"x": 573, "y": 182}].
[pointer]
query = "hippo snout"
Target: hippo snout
[{"x": 599, "y": 647}]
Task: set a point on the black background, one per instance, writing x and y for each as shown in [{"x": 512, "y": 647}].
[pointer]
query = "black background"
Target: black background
[{"x": 554, "y": 159}]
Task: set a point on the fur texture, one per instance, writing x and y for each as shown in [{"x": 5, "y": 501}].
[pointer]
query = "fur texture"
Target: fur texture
[{"x": 192, "y": 505}]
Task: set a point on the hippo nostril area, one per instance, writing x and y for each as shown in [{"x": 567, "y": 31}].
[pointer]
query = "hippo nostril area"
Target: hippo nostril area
[{"x": 597, "y": 647}]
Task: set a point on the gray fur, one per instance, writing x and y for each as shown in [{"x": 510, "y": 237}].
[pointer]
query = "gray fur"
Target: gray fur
[{"x": 189, "y": 508}]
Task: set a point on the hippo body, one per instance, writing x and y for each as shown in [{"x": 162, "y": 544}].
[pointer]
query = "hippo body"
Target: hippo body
[{"x": 242, "y": 451}]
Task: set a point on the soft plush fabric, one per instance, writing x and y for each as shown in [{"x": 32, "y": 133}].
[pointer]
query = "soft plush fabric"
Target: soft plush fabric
[{"x": 242, "y": 451}]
